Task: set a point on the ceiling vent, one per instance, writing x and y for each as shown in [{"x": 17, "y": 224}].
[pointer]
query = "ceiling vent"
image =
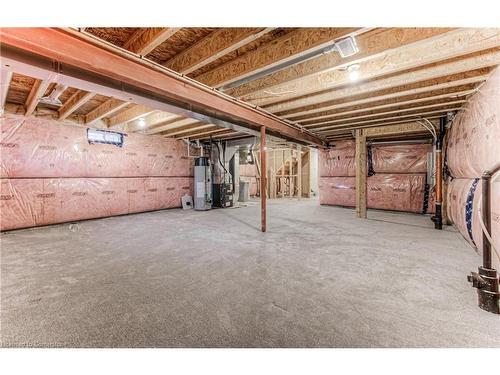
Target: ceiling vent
[
  {"x": 53, "y": 97},
  {"x": 347, "y": 47}
]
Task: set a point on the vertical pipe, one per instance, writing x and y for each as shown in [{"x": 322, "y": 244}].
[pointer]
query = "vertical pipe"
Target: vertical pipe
[
  {"x": 361, "y": 194},
  {"x": 263, "y": 175},
  {"x": 438, "y": 219},
  {"x": 485, "y": 208}
]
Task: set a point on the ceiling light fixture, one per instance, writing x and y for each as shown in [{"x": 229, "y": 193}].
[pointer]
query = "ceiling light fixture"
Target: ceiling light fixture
[
  {"x": 141, "y": 122},
  {"x": 353, "y": 71}
]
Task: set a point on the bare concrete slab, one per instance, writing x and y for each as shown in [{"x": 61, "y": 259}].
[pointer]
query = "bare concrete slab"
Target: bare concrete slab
[{"x": 318, "y": 278}]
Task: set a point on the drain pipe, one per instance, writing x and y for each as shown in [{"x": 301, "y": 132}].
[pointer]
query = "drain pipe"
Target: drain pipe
[
  {"x": 486, "y": 279},
  {"x": 438, "y": 217}
]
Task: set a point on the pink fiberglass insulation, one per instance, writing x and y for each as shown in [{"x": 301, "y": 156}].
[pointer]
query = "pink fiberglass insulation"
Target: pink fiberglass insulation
[
  {"x": 248, "y": 172},
  {"x": 339, "y": 160},
  {"x": 31, "y": 202},
  {"x": 33, "y": 147},
  {"x": 397, "y": 192},
  {"x": 405, "y": 158},
  {"x": 464, "y": 197},
  {"x": 473, "y": 141}
]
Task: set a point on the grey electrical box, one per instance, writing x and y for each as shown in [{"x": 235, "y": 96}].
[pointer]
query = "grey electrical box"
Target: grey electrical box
[{"x": 202, "y": 184}]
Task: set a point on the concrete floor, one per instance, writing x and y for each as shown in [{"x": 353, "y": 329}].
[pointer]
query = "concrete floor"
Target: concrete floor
[{"x": 318, "y": 278}]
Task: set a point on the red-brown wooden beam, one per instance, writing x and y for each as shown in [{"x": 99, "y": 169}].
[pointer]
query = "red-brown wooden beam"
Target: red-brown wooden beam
[
  {"x": 263, "y": 179},
  {"x": 69, "y": 48}
]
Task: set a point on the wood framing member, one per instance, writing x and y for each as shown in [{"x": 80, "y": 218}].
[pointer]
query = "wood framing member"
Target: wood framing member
[
  {"x": 289, "y": 46},
  {"x": 187, "y": 129},
  {"x": 127, "y": 115},
  {"x": 144, "y": 40},
  {"x": 213, "y": 47},
  {"x": 423, "y": 83},
  {"x": 110, "y": 71},
  {"x": 170, "y": 125},
  {"x": 36, "y": 93},
  {"x": 387, "y": 119},
  {"x": 5, "y": 78},
  {"x": 361, "y": 193},
  {"x": 263, "y": 179},
  {"x": 75, "y": 101},
  {"x": 299, "y": 172},
  {"x": 106, "y": 109},
  {"x": 152, "y": 120},
  {"x": 439, "y": 49},
  {"x": 401, "y": 127},
  {"x": 209, "y": 133},
  {"x": 370, "y": 44}
]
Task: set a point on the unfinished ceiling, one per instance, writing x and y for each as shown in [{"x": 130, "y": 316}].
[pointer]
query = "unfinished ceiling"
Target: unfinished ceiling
[{"x": 399, "y": 76}]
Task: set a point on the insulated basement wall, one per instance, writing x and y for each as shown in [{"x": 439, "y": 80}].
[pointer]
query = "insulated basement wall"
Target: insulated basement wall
[
  {"x": 51, "y": 174},
  {"x": 473, "y": 146},
  {"x": 248, "y": 172},
  {"x": 397, "y": 181}
]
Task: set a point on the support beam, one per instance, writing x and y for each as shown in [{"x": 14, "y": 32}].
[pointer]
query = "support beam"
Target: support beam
[
  {"x": 370, "y": 44},
  {"x": 299, "y": 171},
  {"x": 76, "y": 100},
  {"x": 36, "y": 93},
  {"x": 449, "y": 46},
  {"x": 6, "y": 78},
  {"x": 111, "y": 72},
  {"x": 146, "y": 39},
  {"x": 127, "y": 115},
  {"x": 263, "y": 178},
  {"x": 361, "y": 193},
  {"x": 106, "y": 109},
  {"x": 397, "y": 129},
  {"x": 289, "y": 46},
  {"x": 173, "y": 125},
  {"x": 214, "y": 46}
]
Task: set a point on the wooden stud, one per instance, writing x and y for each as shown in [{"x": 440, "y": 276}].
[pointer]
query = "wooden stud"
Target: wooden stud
[
  {"x": 76, "y": 100},
  {"x": 36, "y": 93},
  {"x": 5, "y": 79},
  {"x": 106, "y": 109},
  {"x": 144, "y": 40},
  {"x": 263, "y": 184},
  {"x": 370, "y": 44},
  {"x": 214, "y": 46},
  {"x": 289, "y": 46},
  {"x": 361, "y": 193},
  {"x": 299, "y": 171}
]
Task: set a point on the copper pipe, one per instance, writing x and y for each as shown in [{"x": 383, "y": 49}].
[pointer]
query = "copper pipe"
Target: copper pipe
[
  {"x": 263, "y": 179},
  {"x": 438, "y": 219}
]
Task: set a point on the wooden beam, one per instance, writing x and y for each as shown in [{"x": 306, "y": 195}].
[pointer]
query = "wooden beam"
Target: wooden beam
[
  {"x": 289, "y": 46},
  {"x": 106, "y": 109},
  {"x": 36, "y": 93},
  {"x": 128, "y": 115},
  {"x": 146, "y": 39},
  {"x": 299, "y": 172},
  {"x": 387, "y": 130},
  {"x": 350, "y": 130},
  {"x": 214, "y": 46},
  {"x": 187, "y": 129},
  {"x": 361, "y": 193},
  {"x": 172, "y": 125},
  {"x": 263, "y": 178},
  {"x": 5, "y": 79},
  {"x": 439, "y": 49},
  {"x": 74, "y": 102},
  {"x": 163, "y": 89},
  {"x": 347, "y": 124},
  {"x": 152, "y": 120},
  {"x": 208, "y": 131},
  {"x": 341, "y": 118},
  {"x": 370, "y": 44},
  {"x": 386, "y": 90},
  {"x": 400, "y": 101}
]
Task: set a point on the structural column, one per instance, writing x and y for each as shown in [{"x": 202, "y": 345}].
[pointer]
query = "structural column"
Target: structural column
[
  {"x": 263, "y": 177},
  {"x": 360, "y": 174},
  {"x": 299, "y": 171}
]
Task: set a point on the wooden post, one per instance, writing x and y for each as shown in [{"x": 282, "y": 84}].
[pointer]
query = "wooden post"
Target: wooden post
[
  {"x": 263, "y": 175},
  {"x": 299, "y": 171},
  {"x": 360, "y": 174}
]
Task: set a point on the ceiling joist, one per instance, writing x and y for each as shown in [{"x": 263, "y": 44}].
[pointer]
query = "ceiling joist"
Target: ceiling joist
[
  {"x": 144, "y": 40},
  {"x": 127, "y": 115},
  {"x": 106, "y": 109}
]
